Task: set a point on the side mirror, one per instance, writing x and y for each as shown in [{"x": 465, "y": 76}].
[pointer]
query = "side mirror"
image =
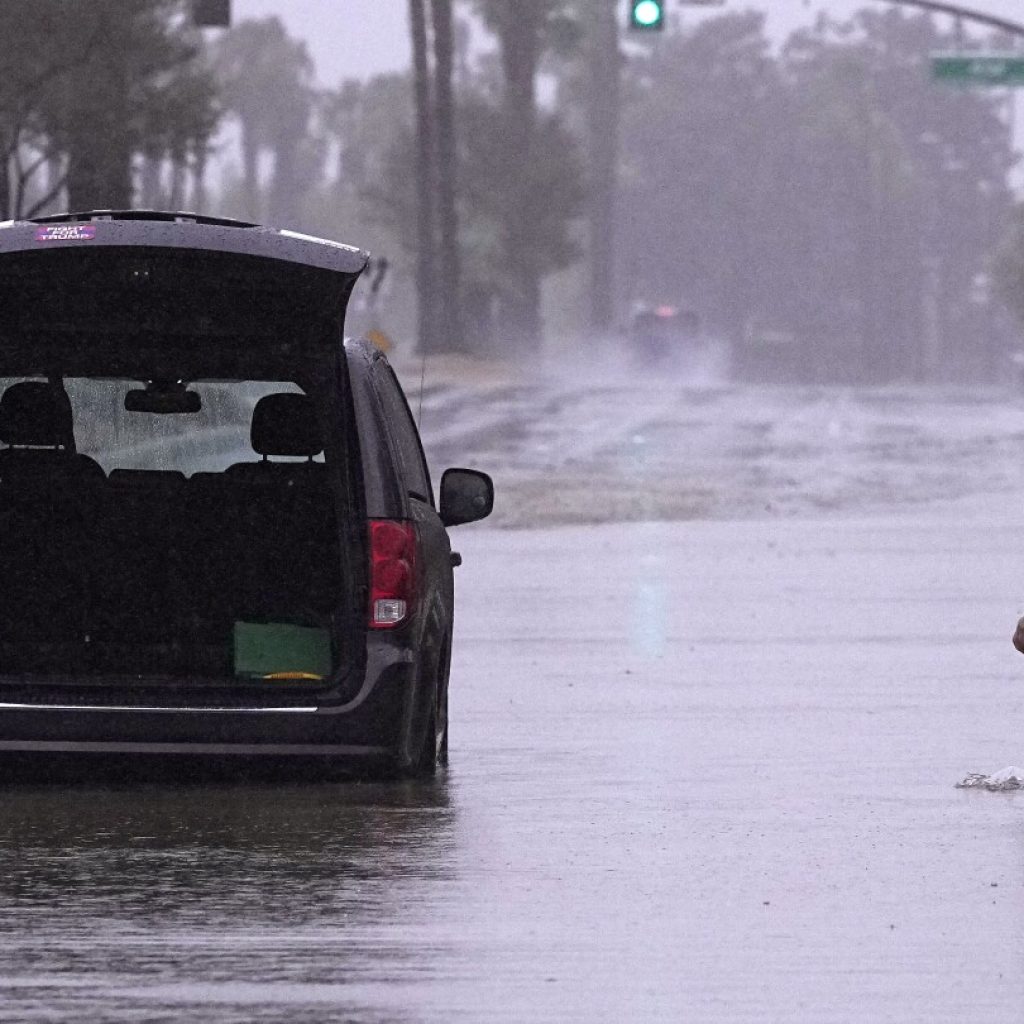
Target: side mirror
[{"x": 466, "y": 496}]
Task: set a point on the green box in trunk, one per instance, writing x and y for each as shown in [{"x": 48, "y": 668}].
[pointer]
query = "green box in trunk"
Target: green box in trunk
[{"x": 269, "y": 648}]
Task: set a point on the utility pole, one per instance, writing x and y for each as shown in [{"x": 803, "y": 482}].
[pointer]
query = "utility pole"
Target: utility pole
[
  {"x": 449, "y": 306},
  {"x": 426, "y": 176},
  {"x": 605, "y": 74},
  {"x": 211, "y": 13}
]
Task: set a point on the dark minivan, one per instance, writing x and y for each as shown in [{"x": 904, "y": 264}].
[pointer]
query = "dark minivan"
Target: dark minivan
[{"x": 218, "y": 536}]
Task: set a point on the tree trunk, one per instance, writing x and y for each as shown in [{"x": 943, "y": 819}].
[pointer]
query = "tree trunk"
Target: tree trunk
[
  {"x": 150, "y": 187},
  {"x": 281, "y": 205},
  {"x": 449, "y": 306},
  {"x": 198, "y": 201},
  {"x": 5, "y": 180},
  {"x": 603, "y": 123},
  {"x": 250, "y": 172},
  {"x": 426, "y": 276},
  {"x": 519, "y": 27},
  {"x": 176, "y": 197},
  {"x": 99, "y": 174},
  {"x": 99, "y": 153}
]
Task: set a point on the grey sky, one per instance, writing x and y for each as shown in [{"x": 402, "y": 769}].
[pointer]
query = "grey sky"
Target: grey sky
[
  {"x": 357, "y": 38},
  {"x": 347, "y": 38}
]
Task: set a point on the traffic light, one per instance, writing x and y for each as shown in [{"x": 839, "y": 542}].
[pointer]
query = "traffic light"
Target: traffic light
[
  {"x": 211, "y": 13},
  {"x": 647, "y": 15}
]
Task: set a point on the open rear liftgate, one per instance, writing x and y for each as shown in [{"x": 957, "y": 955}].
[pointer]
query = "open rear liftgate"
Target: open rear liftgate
[{"x": 217, "y": 661}]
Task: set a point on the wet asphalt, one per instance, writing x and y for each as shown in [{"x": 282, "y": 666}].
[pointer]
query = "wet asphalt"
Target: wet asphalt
[{"x": 698, "y": 772}]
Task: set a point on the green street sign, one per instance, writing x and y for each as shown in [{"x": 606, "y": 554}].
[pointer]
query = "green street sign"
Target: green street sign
[{"x": 992, "y": 69}]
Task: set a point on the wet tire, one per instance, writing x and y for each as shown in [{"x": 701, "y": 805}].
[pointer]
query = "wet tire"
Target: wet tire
[
  {"x": 425, "y": 764},
  {"x": 433, "y": 747},
  {"x": 442, "y": 753}
]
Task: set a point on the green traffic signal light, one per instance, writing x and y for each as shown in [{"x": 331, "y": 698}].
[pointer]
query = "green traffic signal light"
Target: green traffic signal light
[{"x": 647, "y": 14}]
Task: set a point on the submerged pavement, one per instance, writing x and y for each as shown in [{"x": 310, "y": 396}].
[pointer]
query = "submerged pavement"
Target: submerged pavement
[
  {"x": 700, "y": 771},
  {"x": 612, "y": 448}
]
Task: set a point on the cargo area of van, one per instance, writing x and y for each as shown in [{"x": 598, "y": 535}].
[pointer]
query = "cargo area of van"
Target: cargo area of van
[
  {"x": 121, "y": 560},
  {"x": 170, "y": 521}
]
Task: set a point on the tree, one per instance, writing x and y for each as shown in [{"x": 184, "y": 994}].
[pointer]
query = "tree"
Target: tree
[
  {"x": 449, "y": 316},
  {"x": 28, "y": 72},
  {"x": 525, "y": 30},
  {"x": 437, "y": 224},
  {"x": 181, "y": 122},
  {"x": 918, "y": 176},
  {"x": 816, "y": 194},
  {"x": 388, "y": 157},
  {"x": 1008, "y": 266},
  {"x": 142, "y": 80},
  {"x": 85, "y": 87},
  {"x": 603, "y": 111},
  {"x": 426, "y": 181},
  {"x": 553, "y": 200},
  {"x": 701, "y": 159},
  {"x": 266, "y": 81}
]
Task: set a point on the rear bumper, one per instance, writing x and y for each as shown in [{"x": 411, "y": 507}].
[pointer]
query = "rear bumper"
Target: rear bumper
[
  {"x": 369, "y": 727},
  {"x": 64, "y": 746}
]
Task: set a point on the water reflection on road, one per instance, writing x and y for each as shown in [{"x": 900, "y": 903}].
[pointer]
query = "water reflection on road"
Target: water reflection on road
[
  {"x": 218, "y": 902},
  {"x": 714, "y": 785}
]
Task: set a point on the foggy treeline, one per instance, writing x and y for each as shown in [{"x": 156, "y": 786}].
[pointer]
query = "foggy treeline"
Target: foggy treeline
[
  {"x": 829, "y": 195},
  {"x": 90, "y": 93},
  {"x": 826, "y": 208}
]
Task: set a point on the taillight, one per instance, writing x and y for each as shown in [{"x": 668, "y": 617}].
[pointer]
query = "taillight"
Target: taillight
[{"x": 392, "y": 572}]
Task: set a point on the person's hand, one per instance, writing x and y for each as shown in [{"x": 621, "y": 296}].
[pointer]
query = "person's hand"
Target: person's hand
[{"x": 1018, "y": 637}]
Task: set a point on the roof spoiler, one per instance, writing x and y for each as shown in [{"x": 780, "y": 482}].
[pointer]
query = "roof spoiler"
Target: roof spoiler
[{"x": 171, "y": 230}]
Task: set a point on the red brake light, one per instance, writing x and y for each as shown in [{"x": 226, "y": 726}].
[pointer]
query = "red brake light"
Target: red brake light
[{"x": 392, "y": 572}]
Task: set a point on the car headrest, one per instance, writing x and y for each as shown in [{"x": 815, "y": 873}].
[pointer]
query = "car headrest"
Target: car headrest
[
  {"x": 36, "y": 414},
  {"x": 286, "y": 424}
]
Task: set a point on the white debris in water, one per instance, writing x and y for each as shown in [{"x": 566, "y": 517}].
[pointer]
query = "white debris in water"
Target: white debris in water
[{"x": 1003, "y": 781}]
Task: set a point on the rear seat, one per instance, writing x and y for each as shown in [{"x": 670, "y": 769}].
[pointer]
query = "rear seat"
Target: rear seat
[
  {"x": 267, "y": 528},
  {"x": 283, "y": 426},
  {"x": 150, "y": 560},
  {"x": 36, "y": 425},
  {"x": 140, "y": 527},
  {"x": 183, "y": 560},
  {"x": 45, "y": 533}
]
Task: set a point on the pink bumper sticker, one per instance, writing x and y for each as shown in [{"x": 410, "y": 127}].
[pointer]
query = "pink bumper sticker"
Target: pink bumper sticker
[{"x": 66, "y": 233}]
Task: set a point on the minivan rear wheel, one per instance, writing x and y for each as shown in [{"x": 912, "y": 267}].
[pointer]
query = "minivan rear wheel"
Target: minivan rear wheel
[
  {"x": 424, "y": 765},
  {"x": 433, "y": 749},
  {"x": 442, "y": 747}
]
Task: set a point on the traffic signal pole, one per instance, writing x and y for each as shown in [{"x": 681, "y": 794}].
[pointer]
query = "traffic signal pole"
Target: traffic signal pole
[
  {"x": 955, "y": 10},
  {"x": 211, "y": 13},
  {"x": 650, "y": 14}
]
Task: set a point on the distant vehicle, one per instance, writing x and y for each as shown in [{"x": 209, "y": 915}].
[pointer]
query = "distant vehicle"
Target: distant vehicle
[
  {"x": 218, "y": 533},
  {"x": 664, "y": 333}
]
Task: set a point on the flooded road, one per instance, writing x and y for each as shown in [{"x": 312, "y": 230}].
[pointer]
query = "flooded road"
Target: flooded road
[{"x": 700, "y": 771}]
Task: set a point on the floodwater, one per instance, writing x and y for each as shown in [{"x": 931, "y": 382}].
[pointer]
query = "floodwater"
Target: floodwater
[
  {"x": 607, "y": 449},
  {"x": 700, "y": 771}
]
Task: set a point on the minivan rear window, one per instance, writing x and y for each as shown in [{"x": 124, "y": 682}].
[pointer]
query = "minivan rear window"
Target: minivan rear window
[{"x": 210, "y": 440}]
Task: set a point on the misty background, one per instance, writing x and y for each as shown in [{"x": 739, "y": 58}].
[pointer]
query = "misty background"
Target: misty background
[
  {"x": 534, "y": 174},
  {"x": 706, "y": 728}
]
